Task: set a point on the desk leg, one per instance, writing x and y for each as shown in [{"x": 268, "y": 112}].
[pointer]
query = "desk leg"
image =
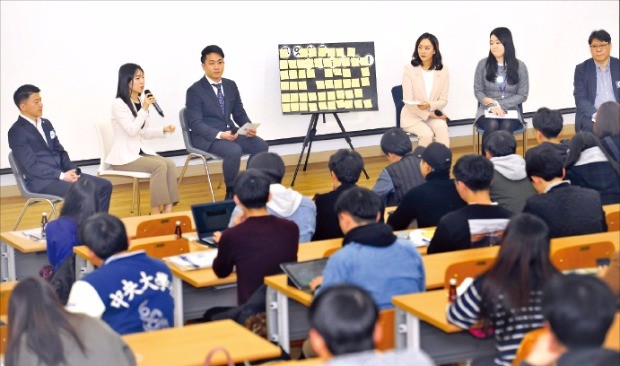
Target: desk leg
[
  {"x": 407, "y": 330},
  {"x": 277, "y": 319},
  {"x": 12, "y": 272},
  {"x": 82, "y": 267},
  {"x": 7, "y": 263},
  {"x": 177, "y": 295}
]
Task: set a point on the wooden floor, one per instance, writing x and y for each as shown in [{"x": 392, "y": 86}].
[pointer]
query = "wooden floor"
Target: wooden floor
[{"x": 196, "y": 190}]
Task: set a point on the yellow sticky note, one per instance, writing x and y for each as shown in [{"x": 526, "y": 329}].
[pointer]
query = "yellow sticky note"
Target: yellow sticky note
[
  {"x": 329, "y": 73},
  {"x": 322, "y": 51},
  {"x": 339, "y": 52},
  {"x": 284, "y": 75},
  {"x": 358, "y": 104},
  {"x": 301, "y": 64},
  {"x": 286, "y": 108},
  {"x": 301, "y": 74},
  {"x": 340, "y": 104},
  {"x": 286, "y": 98},
  {"x": 331, "y": 95},
  {"x": 351, "y": 51},
  {"x": 346, "y": 83},
  {"x": 318, "y": 63},
  {"x": 312, "y": 107},
  {"x": 303, "y": 52},
  {"x": 348, "y": 104},
  {"x": 303, "y": 97},
  {"x": 331, "y": 52},
  {"x": 365, "y": 71},
  {"x": 367, "y": 103},
  {"x": 337, "y": 62},
  {"x": 364, "y": 61},
  {"x": 346, "y": 62},
  {"x": 331, "y": 105},
  {"x": 355, "y": 62},
  {"x": 303, "y": 85},
  {"x": 283, "y": 53},
  {"x": 338, "y": 72},
  {"x": 294, "y": 99},
  {"x": 303, "y": 107},
  {"x": 320, "y": 84},
  {"x": 322, "y": 106},
  {"x": 294, "y": 107},
  {"x": 348, "y": 94},
  {"x": 292, "y": 74},
  {"x": 328, "y": 62},
  {"x": 359, "y": 93},
  {"x": 355, "y": 83},
  {"x": 292, "y": 64},
  {"x": 339, "y": 94},
  {"x": 312, "y": 52},
  {"x": 283, "y": 65},
  {"x": 365, "y": 81},
  {"x": 329, "y": 84},
  {"x": 346, "y": 73},
  {"x": 338, "y": 84},
  {"x": 293, "y": 86},
  {"x": 284, "y": 85},
  {"x": 322, "y": 96},
  {"x": 311, "y": 74},
  {"x": 312, "y": 97}
]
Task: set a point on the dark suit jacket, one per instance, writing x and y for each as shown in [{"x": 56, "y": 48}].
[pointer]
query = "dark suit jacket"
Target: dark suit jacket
[
  {"x": 585, "y": 91},
  {"x": 205, "y": 117},
  {"x": 568, "y": 210},
  {"x": 41, "y": 161},
  {"x": 327, "y": 225}
]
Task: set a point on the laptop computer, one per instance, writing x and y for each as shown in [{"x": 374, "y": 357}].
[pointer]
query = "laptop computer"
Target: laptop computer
[
  {"x": 301, "y": 273},
  {"x": 211, "y": 217}
]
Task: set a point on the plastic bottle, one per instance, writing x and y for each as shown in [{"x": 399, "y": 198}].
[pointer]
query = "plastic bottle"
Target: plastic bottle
[
  {"x": 43, "y": 225},
  {"x": 177, "y": 231},
  {"x": 452, "y": 290}
]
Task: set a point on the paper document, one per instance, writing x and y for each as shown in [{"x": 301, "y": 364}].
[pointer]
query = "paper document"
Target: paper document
[
  {"x": 412, "y": 102},
  {"x": 421, "y": 237},
  {"x": 194, "y": 260},
  {"x": 244, "y": 129},
  {"x": 33, "y": 234},
  {"x": 510, "y": 114}
]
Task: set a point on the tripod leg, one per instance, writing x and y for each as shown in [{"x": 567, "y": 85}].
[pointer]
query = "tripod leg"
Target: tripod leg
[
  {"x": 312, "y": 126},
  {"x": 312, "y": 134},
  {"x": 348, "y": 139}
]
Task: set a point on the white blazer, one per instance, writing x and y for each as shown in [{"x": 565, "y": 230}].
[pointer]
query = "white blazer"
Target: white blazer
[{"x": 129, "y": 135}]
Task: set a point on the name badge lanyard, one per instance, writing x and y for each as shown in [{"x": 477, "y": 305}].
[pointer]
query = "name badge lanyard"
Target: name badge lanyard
[{"x": 501, "y": 81}]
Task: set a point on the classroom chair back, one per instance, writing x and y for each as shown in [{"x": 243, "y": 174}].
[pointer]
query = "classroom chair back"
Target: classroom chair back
[
  {"x": 582, "y": 256},
  {"x": 613, "y": 221},
  {"x": 462, "y": 270},
  {"x": 527, "y": 345},
  {"x": 162, "y": 249},
  {"x": 163, "y": 226},
  {"x": 386, "y": 322}
]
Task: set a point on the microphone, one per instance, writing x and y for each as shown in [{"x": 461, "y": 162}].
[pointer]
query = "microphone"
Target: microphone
[
  {"x": 157, "y": 108},
  {"x": 440, "y": 113}
]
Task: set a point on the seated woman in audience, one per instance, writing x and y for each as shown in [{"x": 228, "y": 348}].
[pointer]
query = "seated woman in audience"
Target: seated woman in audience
[
  {"x": 507, "y": 297},
  {"x": 425, "y": 83},
  {"x": 589, "y": 165},
  {"x": 607, "y": 128},
  {"x": 62, "y": 234},
  {"x": 132, "y": 125},
  {"x": 42, "y": 332},
  {"x": 501, "y": 83}
]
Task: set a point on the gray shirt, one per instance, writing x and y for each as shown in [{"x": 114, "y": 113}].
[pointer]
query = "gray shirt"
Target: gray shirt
[{"x": 513, "y": 95}]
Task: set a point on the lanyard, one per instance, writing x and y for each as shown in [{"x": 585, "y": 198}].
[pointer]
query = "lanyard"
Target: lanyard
[{"x": 501, "y": 81}]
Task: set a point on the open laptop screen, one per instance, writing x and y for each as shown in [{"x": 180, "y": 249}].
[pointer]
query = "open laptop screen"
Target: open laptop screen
[{"x": 212, "y": 217}]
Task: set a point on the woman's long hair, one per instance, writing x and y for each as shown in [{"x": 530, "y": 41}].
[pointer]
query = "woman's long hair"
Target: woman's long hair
[
  {"x": 125, "y": 76},
  {"x": 37, "y": 316},
  {"x": 81, "y": 201},
  {"x": 415, "y": 59},
  {"x": 522, "y": 266},
  {"x": 608, "y": 120},
  {"x": 510, "y": 57},
  {"x": 583, "y": 141}
]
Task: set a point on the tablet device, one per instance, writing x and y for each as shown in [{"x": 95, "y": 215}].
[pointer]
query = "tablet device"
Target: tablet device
[{"x": 301, "y": 273}]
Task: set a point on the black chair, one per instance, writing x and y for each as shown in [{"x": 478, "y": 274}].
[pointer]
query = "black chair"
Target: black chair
[{"x": 397, "y": 95}]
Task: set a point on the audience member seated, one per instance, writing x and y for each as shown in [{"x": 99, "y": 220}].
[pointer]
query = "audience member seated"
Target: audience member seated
[
  {"x": 548, "y": 126},
  {"x": 404, "y": 173},
  {"x": 130, "y": 291},
  {"x": 257, "y": 243},
  {"x": 345, "y": 167},
  {"x": 578, "y": 312},
  {"x": 507, "y": 296},
  {"x": 481, "y": 222},
  {"x": 372, "y": 257},
  {"x": 285, "y": 203},
  {"x": 589, "y": 165},
  {"x": 568, "y": 210},
  {"x": 344, "y": 331},
  {"x": 429, "y": 202},
  {"x": 607, "y": 128},
  {"x": 62, "y": 234},
  {"x": 510, "y": 186},
  {"x": 42, "y": 332}
]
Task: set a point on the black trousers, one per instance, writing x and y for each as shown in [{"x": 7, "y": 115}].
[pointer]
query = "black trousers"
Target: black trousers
[
  {"x": 494, "y": 124},
  {"x": 104, "y": 189},
  {"x": 231, "y": 151}
]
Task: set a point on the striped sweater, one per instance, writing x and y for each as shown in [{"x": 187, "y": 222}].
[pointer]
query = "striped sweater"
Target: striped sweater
[{"x": 509, "y": 325}]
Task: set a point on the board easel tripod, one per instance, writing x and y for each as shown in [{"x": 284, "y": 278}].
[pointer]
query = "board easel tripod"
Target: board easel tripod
[{"x": 314, "y": 119}]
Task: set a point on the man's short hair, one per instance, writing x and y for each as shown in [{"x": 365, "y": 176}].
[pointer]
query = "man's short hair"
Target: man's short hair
[
  {"x": 600, "y": 34},
  {"x": 23, "y": 93},
  {"x": 347, "y": 165},
  {"x": 475, "y": 171},
  {"x": 104, "y": 235},
  {"x": 361, "y": 203},
  {"x": 500, "y": 143},
  {"x": 269, "y": 163},
  {"x": 210, "y": 49},
  {"x": 395, "y": 141},
  {"x": 345, "y": 316},
  {"x": 545, "y": 162},
  {"x": 548, "y": 122},
  {"x": 579, "y": 308},
  {"x": 252, "y": 188}
]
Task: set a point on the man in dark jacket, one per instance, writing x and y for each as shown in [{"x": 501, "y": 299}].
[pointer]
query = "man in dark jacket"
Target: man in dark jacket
[{"x": 548, "y": 126}]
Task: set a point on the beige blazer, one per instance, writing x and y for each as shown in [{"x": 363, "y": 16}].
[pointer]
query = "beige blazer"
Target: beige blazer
[
  {"x": 129, "y": 135},
  {"x": 414, "y": 89}
]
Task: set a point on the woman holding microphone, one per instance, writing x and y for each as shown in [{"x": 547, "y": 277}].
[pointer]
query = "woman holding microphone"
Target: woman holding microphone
[
  {"x": 129, "y": 152},
  {"x": 425, "y": 93}
]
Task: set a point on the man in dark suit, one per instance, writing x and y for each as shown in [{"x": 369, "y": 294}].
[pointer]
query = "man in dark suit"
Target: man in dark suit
[
  {"x": 43, "y": 160},
  {"x": 597, "y": 80},
  {"x": 211, "y": 102},
  {"x": 566, "y": 209}
]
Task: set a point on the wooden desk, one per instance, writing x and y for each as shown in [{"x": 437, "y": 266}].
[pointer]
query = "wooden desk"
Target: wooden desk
[
  {"x": 307, "y": 362},
  {"x": 613, "y": 336},
  {"x": 190, "y": 345},
  {"x": 20, "y": 256},
  {"x": 614, "y": 207}
]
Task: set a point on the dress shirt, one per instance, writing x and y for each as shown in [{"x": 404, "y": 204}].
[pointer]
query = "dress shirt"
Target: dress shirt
[{"x": 604, "y": 88}]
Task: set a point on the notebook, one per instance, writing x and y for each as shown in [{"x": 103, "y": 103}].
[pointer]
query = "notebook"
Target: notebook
[
  {"x": 301, "y": 273},
  {"x": 211, "y": 217}
]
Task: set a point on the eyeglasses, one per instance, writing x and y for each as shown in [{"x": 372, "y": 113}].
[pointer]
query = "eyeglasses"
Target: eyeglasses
[{"x": 599, "y": 46}]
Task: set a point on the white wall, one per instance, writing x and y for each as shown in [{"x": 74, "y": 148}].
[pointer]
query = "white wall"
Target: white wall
[{"x": 72, "y": 51}]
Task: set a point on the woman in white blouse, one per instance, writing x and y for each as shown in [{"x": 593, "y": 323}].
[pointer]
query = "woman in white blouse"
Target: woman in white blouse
[{"x": 129, "y": 152}]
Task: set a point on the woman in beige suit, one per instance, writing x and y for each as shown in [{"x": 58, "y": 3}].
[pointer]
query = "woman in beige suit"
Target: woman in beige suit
[
  {"x": 425, "y": 93},
  {"x": 129, "y": 152}
]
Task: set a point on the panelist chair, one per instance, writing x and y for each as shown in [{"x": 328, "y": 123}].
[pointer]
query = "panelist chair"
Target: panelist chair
[
  {"x": 397, "y": 96},
  {"x": 106, "y": 135},
  {"x": 32, "y": 197},
  {"x": 477, "y": 132}
]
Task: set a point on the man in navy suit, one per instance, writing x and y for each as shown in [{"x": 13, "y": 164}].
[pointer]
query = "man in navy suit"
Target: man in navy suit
[
  {"x": 43, "y": 160},
  {"x": 211, "y": 102},
  {"x": 597, "y": 80}
]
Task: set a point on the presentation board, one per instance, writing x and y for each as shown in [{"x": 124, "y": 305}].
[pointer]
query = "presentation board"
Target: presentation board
[{"x": 327, "y": 77}]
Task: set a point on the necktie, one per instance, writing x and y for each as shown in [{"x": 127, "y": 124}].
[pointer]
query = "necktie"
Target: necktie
[{"x": 220, "y": 97}]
